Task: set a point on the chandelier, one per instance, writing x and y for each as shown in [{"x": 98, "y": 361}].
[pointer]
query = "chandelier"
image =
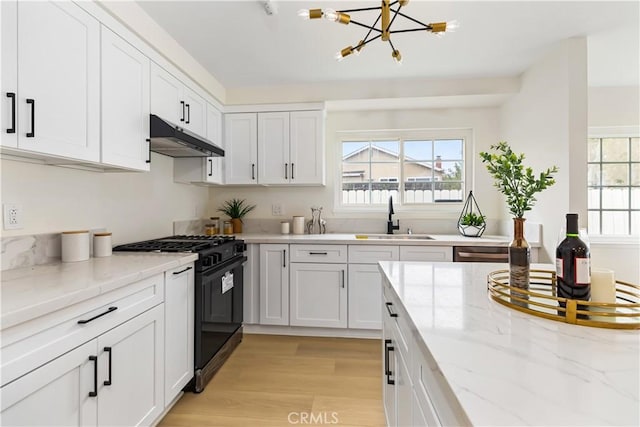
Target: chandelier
[{"x": 386, "y": 21}]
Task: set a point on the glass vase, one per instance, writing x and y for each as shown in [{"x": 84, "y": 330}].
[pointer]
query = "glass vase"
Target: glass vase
[{"x": 519, "y": 262}]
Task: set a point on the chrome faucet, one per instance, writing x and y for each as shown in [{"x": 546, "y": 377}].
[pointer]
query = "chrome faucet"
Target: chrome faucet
[{"x": 390, "y": 226}]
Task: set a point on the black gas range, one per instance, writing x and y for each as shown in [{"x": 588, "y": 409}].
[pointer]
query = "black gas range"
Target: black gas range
[{"x": 218, "y": 296}]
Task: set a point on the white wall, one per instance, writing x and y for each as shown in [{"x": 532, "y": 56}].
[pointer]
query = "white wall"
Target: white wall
[
  {"x": 297, "y": 201},
  {"x": 614, "y": 106},
  {"x": 134, "y": 206},
  {"x": 547, "y": 121}
]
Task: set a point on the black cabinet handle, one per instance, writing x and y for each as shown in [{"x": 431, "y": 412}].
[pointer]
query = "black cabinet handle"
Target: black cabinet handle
[
  {"x": 12, "y": 96},
  {"x": 210, "y": 167},
  {"x": 318, "y": 253},
  {"x": 343, "y": 278},
  {"x": 175, "y": 273},
  {"x": 33, "y": 118},
  {"x": 109, "y": 310},
  {"x": 391, "y": 313},
  {"x": 94, "y": 359},
  {"x": 149, "y": 156},
  {"x": 284, "y": 258},
  {"x": 286, "y": 170},
  {"x": 253, "y": 171},
  {"x": 108, "y": 350},
  {"x": 182, "y": 118},
  {"x": 188, "y": 114},
  {"x": 292, "y": 171},
  {"x": 387, "y": 370}
]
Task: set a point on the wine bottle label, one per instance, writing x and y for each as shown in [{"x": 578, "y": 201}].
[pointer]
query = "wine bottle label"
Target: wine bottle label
[
  {"x": 583, "y": 271},
  {"x": 559, "y": 268}
]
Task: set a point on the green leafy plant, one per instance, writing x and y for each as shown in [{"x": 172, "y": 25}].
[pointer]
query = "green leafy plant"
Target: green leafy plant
[
  {"x": 236, "y": 208},
  {"x": 517, "y": 183},
  {"x": 472, "y": 219}
]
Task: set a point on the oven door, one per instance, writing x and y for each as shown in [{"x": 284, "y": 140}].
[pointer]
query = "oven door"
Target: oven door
[{"x": 218, "y": 308}]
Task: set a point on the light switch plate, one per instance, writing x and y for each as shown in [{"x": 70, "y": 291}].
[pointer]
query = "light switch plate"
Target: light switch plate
[
  {"x": 12, "y": 216},
  {"x": 276, "y": 209}
]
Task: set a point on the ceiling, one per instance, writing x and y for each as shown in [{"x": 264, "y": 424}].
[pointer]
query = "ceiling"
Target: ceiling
[{"x": 242, "y": 46}]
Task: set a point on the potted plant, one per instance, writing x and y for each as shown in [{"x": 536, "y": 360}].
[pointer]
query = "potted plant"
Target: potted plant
[
  {"x": 470, "y": 223},
  {"x": 236, "y": 209},
  {"x": 519, "y": 185}
]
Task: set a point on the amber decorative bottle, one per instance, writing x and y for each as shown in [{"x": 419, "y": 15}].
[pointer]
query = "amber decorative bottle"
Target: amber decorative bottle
[{"x": 573, "y": 265}]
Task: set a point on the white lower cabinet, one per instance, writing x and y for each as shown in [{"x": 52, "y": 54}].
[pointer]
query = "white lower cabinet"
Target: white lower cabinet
[
  {"x": 113, "y": 380},
  {"x": 179, "y": 330},
  {"x": 365, "y": 290},
  {"x": 426, "y": 253},
  {"x": 274, "y": 284},
  {"x": 318, "y": 295}
]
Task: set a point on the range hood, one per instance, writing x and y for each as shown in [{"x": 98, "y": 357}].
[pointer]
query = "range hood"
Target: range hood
[{"x": 174, "y": 141}]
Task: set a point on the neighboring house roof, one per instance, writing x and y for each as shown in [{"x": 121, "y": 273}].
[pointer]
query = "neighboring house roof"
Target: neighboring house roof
[{"x": 390, "y": 153}]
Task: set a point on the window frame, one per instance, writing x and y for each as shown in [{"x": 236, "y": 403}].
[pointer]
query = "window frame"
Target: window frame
[{"x": 465, "y": 134}]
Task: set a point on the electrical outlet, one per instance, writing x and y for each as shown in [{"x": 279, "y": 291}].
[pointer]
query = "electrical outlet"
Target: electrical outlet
[
  {"x": 12, "y": 216},
  {"x": 276, "y": 210}
]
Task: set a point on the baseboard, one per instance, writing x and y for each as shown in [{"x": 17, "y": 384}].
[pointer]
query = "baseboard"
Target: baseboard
[{"x": 311, "y": 332}]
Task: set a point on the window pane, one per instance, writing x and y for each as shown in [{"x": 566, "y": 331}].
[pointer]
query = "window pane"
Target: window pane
[
  {"x": 615, "y": 222},
  {"x": 615, "y": 198},
  {"x": 594, "y": 222},
  {"x": 448, "y": 149},
  {"x": 635, "y": 223},
  {"x": 385, "y": 151},
  {"x": 635, "y": 198},
  {"x": 615, "y": 174},
  {"x": 615, "y": 149},
  {"x": 420, "y": 172},
  {"x": 593, "y": 175},
  {"x": 356, "y": 172},
  {"x": 386, "y": 173},
  {"x": 594, "y": 150},
  {"x": 418, "y": 150},
  {"x": 635, "y": 149},
  {"x": 593, "y": 197},
  {"x": 355, "y": 151},
  {"x": 635, "y": 174}
]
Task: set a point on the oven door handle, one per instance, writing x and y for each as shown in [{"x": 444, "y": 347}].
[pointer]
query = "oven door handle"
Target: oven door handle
[{"x": 216, "y": 269}]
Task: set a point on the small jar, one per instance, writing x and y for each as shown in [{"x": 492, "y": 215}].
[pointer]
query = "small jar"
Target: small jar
[
  {"x": 228, "y": 227},
  {"x": 211, "y": 229},
  {"x": 75, "y": 246},
  {"x": 101, "y": 245}
]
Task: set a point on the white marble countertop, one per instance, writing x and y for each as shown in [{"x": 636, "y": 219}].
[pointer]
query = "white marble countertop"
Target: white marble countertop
[
  {"x": 30, "y": 292},
  {"x": 510, "y": 368},
  {"x": 351, "y": 239}
]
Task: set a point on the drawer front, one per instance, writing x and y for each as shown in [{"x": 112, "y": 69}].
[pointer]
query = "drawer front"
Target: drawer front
[
  {"x": 31, "y": 344},
  {"x": 426, "y": 253},
  {"x": 372, "y": 254},
  {"x": 318, "y": 253},
  {"x": 396, "y": 318}
]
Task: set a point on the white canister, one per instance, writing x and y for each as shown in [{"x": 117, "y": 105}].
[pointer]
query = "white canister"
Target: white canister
[
  {"x": 298, "y": 225},
  {"x": 75, "y": 246},
  {"x": 284, "y": 227},
  {"x": 101, "y": 244}
]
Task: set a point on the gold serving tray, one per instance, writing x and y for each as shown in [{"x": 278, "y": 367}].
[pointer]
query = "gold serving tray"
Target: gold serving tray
[{"x": 541, "y": 300}]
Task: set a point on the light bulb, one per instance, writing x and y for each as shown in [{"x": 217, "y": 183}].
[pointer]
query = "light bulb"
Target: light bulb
[
  {"x": 304, "y": 14},
  {"x": 397, "y": 57},
  {"x": 452, "y": 26},
  {"x": 330, "y": 14},
  {"x": 344, "y": 53}
]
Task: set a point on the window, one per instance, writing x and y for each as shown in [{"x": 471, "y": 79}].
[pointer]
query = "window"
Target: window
[
  {"x": 614, "y": 185},
  {"x": 416, "y": 168}
]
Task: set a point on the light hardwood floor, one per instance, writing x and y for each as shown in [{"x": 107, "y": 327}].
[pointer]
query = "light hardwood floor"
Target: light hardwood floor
[{"x": 273, "y": 380}]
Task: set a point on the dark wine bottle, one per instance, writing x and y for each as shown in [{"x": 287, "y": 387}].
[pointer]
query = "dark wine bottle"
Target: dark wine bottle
[{"x": 573, "y": 265}]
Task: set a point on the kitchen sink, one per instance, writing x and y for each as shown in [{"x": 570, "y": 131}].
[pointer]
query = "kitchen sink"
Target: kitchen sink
[{"x": 395, "y": 236}]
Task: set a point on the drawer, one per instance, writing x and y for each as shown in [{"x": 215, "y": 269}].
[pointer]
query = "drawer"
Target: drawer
[
  {"x": 29, "y": 345},
  {"x": 426, "y": 253},
  {"x": 396, "y": 318},
  {"x": 371, "y": 254},
  {"x": 318, "y": 253}
]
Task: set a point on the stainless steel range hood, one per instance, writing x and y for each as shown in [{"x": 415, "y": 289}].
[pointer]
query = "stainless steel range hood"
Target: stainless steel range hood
[{"x": 174, "y": 141}]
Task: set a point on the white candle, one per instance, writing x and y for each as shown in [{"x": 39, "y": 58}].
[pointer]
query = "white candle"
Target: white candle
[
  {"x": 284, "y": 227},
  {"x": 603, "y": 285}
]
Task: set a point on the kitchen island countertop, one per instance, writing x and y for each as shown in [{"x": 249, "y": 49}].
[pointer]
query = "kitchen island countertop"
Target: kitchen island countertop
[{"x": 510, "y": 368}]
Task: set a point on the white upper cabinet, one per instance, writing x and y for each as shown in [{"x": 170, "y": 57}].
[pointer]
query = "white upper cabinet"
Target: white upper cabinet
[
  {"x": 125, "y": 104},
  {"x": 171, "y": 100},
  {"x": 57, "y": 95},
  {"x": 241, "y": 148},
  {"x": 9, "y": 73},
  {"x": 275, "y": 148}
]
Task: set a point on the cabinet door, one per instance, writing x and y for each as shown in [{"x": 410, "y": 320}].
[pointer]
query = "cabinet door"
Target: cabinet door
[
  {"x": 318, "y": 295},
  {"x": 389, "y": 373},
  {"x": 274, "y": 284},
  {"x": 214, "y": 171},
  {"x": 166, "y": 96},
  {"x": 9, "y": 73},
  {"x": 273, "y": 148},
  {"x": 54, "y": 394},
  {"x": 195, "y": 112},
  {"x": 178, "y": 335},
  {"x": 59, "y": 63},
  {"x": 132, "y": 358},
  {"x": 125, "y": 103},
  {"x": 426, "y": 253},
  {"x": 241, "y": 148},
  {"x": 306, "y": 153},
  {"x": 365, "y": 296},
  {"x": 403, "y": 390}
]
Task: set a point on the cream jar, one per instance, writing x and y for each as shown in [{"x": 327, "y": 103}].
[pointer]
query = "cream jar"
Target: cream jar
[
  {"x": 75, "y": 246},
  {"x": 101, "y": 245}
]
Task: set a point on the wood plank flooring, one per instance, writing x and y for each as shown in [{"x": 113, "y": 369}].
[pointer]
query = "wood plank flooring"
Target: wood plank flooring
[{"x": 273, "y": 380}]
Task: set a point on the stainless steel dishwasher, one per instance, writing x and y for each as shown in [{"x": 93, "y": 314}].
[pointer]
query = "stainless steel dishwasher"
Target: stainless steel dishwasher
[{"x": 480, "y": 254}]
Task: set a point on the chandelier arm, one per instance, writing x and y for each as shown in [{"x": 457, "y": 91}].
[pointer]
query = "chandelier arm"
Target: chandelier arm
[
  {"x": 394, "y": 17},
  {"x": 393, "y": 49},
  {"x": 373, "y": 26},
  {"x": 359, "y": 10},
  {"x": 406, "y": 31},
  {"x": 414, "y": 20},
  {"x": 370, "y": 40},
  {"x": 365, "y": 26}
]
